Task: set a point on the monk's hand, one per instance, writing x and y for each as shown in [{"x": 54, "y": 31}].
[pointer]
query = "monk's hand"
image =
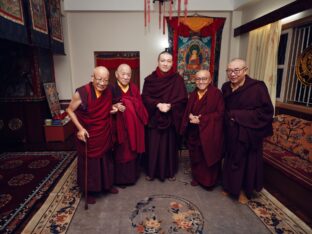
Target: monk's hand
[
  {"x": 194, "y": 119},
  {"x": 168, "y": 105},
  {"x": 164, "y": 107},
  {"x": 120, "y": 107},
  {"x": 82, "y": 135},
  {"x": 114, "y": 110},
  {"x": 191, "y": 116}
]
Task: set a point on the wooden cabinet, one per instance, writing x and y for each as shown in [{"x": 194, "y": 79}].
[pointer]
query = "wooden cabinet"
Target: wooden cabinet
[
  {"x": 58, "y": 133},
  {"x": 21, "y": 121},
  {"x": 23, "y": 70}
]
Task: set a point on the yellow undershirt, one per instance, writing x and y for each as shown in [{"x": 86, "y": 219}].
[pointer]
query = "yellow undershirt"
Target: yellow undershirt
[
  {"x": 123, "y": 88},
  {"x": 201, "y": 94},
  {"x": 98, "y": 93}
]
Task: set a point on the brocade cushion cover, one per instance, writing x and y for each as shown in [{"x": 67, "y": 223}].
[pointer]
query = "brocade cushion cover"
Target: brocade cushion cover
[{"x": 293, "y": 134}]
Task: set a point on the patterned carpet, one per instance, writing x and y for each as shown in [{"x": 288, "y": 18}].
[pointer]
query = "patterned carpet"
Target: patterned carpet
[
  {"x": 26, "y": 178},
  {"x": 167, "y": 214},
  {"x": 57, "y": 212},
  {"x": 157, "y": 213},
  {"x": 276, "y": 217}
]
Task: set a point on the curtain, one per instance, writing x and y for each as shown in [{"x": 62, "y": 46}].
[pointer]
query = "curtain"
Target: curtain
[{"x": 262, "y": 55}]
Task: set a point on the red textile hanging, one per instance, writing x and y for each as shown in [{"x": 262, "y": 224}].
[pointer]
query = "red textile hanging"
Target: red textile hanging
[{"x": 180, "y": 29}]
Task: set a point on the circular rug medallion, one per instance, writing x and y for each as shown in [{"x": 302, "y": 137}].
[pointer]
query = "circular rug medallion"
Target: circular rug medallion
[
  {"x": 11, "y": 164},
  {"x": 39, "y": 164},
  {"x": 166, "y": 214}
]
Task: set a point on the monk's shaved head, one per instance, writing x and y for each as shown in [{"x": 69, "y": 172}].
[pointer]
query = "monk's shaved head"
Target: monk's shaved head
[
  {"x": 203, "y": 73},
  {"x": 100, "y": 71},
  {"x": 123, "y": 67},
  {"x": 238, "y": 62},
  {"x": 123, "y": 74}
]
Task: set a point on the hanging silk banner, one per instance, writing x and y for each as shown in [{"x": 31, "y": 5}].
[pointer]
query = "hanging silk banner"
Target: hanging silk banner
[
  {"x": 195, "y": 44},
  {"x": 55, "y": 23},
  {"x": 38, "y": 23},
  {"x": 12, "y": 21}
]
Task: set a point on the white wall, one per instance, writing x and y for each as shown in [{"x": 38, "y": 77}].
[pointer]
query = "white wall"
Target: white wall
[
  {"x": 62, "y": 65},
  {"x": 117, "y": 31},
  {"x": 255, "y": 11}
]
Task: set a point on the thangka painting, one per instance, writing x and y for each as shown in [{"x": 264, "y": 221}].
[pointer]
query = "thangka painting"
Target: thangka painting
[
  {"x": 38, "y": 15},
  {"x": 53, "y": 99},
  {"x": 112, "y": 59},
  {"x": 55, "y": 20},
  {"x": 12, "y": 10},
  {"x": 195, "y": 44},
  {"x": 193, "y": 55}
]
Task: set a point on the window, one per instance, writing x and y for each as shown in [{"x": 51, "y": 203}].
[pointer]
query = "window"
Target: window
[{"x": 289, "y": 88}]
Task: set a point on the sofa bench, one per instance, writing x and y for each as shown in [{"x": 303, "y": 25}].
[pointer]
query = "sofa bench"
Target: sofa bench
[{"x": 288, "y": 161}]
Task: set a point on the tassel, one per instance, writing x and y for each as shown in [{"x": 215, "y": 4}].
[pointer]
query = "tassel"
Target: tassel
[
  {"x": 185, "y": 8},
  {"x": 159, "y": 14},
  {"x": 179, "y": 9},
  {"x": 145, "y": 23},
  {"x": 149, "y": 11},
  {"x": 164, "y": 19},
  {"x": 170, "y": 10}
]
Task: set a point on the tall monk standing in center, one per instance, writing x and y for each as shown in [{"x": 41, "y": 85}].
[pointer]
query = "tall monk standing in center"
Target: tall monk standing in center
[{"x": 164, "y": 96}]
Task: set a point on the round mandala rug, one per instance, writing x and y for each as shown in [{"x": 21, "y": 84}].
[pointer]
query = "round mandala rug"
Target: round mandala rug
[{"x": 166, "y": 214}]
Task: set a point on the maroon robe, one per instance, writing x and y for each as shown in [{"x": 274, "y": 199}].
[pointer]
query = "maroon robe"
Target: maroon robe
[
  {"x": 248, "y": 120},
  {"x": 129, "y": 127},
  {"x": 163, "y": 128},
  {"x": 205, "y": 139},
  {"x": 93, "y": 114}
]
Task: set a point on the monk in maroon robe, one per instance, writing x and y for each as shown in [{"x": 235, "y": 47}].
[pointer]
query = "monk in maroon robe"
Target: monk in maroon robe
[
  {"x": 164, "y": 96},
  {"x": 248, "y": 120},
  {"x": 89, "y": 110},
  {"x": 129, "y": 124},
  {"x": 203, "y": 126}
]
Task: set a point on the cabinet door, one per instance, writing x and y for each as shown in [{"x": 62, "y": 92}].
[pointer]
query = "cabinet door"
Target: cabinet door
[
  {"x": 35, "y": 113},
  {"x": 12, "y": 123}
]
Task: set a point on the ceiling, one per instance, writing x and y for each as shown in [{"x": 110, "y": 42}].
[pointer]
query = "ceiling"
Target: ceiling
[{"x": 138, "y": 5}]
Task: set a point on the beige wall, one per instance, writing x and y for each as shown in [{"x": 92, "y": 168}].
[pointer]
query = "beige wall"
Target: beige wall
[
  {"x": 251, "y": 12},
  {"x": 86, "y": 32}
]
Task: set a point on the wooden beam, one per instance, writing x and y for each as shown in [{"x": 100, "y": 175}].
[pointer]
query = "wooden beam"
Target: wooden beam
[{"x": 283, "y": 12}]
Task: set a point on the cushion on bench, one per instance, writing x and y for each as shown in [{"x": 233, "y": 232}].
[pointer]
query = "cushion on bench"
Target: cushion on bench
[{"x": 293, "y": 134}]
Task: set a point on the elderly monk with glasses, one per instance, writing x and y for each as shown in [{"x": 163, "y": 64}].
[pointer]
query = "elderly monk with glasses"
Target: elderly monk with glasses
[
  {"x": 248, "y": 119},
  {"x": 89, "y": 110},
  {"x": 203, "y": 127}
]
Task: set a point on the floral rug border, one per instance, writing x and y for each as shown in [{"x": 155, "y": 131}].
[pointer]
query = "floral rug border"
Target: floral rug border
[
  {"x": 56, "y": 213},
  {"x": 275, "y": 216}
]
